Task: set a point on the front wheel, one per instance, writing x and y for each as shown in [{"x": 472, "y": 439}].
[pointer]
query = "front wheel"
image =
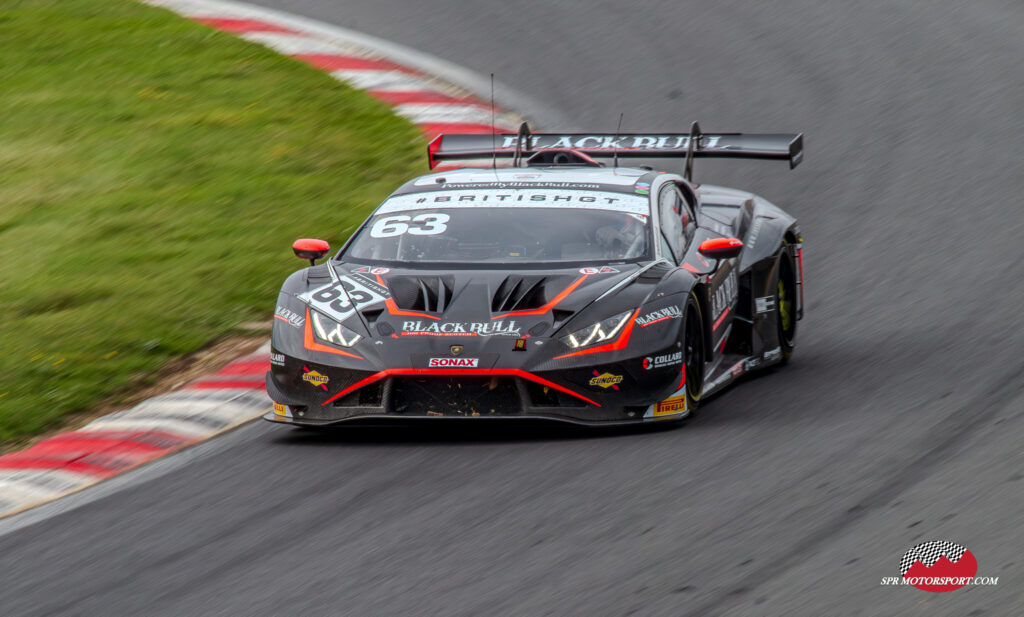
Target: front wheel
[
  {"x": 785, "y": 300},
  {"x": 693, "y": 354}
]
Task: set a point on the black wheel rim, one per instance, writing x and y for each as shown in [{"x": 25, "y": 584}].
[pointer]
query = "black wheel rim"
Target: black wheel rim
[{"x": 784, "y": 300}]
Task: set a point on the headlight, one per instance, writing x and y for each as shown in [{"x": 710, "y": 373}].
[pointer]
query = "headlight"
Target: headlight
[
  {"x": 327, "y": 330},
  {"x": 599, "y": 332}
]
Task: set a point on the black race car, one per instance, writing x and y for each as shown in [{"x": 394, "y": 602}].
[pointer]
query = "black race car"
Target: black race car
[{"x": 558, "y": 288}]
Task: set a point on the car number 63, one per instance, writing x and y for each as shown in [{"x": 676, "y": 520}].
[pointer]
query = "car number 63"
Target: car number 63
[{"x": 420, "y": 225}]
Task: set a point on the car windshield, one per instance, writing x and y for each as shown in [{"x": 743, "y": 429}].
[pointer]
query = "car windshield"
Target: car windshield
[{"x": 527, "y": 227}]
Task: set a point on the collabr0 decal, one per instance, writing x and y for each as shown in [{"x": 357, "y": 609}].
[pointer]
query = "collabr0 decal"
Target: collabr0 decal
[
  {"x": 289, "y": 316},
  {"x": 606, "y": 380},
  {"x": 459, "y": 328},
  {"x": 453, "y": 362},
  {"x": 670, "y": 359},
  {"x": 663, "y": 314},
  {"x": 765, "y": 304},
  {"x": 339, "y": 299}
]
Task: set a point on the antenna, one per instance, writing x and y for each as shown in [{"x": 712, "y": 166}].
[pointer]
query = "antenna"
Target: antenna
[
  {"x": 615, "y": 156},
  {"x": 494, "y": 144},
  {"x": 693, "y": 143}
]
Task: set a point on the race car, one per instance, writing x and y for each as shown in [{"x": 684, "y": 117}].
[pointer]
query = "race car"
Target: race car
[{"x": 555, "y": 286}]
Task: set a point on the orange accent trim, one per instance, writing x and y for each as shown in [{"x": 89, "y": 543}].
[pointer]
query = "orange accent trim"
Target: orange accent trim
[
  {"x": 310, "y": 343},
  {"x": 721, "y": 317},
  {"x": 499, "y": 372},
  {"x": 550, "y": 305},
  {"x": 617, "y": 344},
  {"x": 394, "y": 310},
  {"x": 282, "y": 319}
]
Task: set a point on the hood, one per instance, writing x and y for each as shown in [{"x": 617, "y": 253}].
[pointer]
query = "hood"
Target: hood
[{"x": 480, "y": 302}]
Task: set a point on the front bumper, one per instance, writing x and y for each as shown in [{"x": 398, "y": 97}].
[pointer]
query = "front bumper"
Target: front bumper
[{"x": 414, "y": 395}]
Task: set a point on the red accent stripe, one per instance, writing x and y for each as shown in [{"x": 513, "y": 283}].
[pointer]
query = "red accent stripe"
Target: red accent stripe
[
  {"x": 550, "y": 305},
  {"x": 68, "y": 446},
  {"x": 421, "y": 96},
  {"x": 246, "y": 368},
  {"x": 488, "y": 372},
  {"x": 241, "y": 26},
  {"x": 157, "y": 439},
  {"x": 721, "y": 318},
  {"x": 47, "y": 463},
  {"x": 651, "y": 323},
  {"x": 619, "y": 343},
  {"x": 334, "y": 62},
  {"x": 310, "y": 342}
]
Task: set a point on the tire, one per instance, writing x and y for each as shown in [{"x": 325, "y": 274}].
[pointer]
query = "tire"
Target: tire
[
  {"x": 693, "y": 353},
  {"x": 785, "y": 302}
]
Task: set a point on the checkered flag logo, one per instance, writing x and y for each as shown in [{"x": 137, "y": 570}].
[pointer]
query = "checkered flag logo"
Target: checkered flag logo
[{"x": 930, "y": 552}]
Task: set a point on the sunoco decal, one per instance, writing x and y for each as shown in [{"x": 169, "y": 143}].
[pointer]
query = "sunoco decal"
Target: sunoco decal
[
  {"x": 606, "y": 380},
  {"x": 315, "y": 378}
]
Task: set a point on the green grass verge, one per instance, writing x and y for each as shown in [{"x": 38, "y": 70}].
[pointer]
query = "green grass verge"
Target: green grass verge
[{"x": 153, "y": 174}]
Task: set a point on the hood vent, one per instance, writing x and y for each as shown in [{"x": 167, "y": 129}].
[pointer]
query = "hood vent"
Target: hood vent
[
  {"x": 519, "y": 293},
  {"x": 429, "y": 294}
]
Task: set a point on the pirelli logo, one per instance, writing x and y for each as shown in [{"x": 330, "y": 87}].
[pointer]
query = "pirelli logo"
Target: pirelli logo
[{"x": 670, "y": 406}]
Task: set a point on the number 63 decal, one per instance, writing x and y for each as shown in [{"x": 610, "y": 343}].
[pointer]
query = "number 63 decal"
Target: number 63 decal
[
  {"x": 340, "y": 299},
  {"x": 419, "y": 225}
]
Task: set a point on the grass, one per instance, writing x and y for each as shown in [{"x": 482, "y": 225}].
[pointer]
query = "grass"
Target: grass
[{"x": 153, "y": 174}]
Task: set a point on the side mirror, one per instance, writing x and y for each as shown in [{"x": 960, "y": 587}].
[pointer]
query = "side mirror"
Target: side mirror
[
  {"x": 721, "y": 248},
  {"x": 311, "y": 249}
]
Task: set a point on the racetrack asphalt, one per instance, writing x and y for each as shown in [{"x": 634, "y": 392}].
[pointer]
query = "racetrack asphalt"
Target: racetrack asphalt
[{"x": 900, "y": 419}]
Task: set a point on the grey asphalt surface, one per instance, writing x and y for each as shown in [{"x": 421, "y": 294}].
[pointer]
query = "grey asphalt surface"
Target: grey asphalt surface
[{"x": 900, "y": 419}]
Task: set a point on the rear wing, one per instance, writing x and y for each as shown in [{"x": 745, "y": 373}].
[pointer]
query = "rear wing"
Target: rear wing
[{"x": 782, "y": 146}]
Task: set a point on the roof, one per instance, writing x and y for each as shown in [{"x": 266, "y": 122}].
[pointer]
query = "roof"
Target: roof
[{"x": 617, "y": 179}]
